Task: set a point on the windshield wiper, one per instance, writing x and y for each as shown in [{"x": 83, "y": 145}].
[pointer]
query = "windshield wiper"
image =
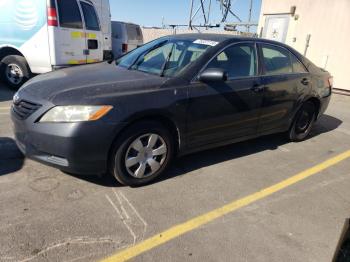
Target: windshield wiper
[{"x": 137, "y": 61}]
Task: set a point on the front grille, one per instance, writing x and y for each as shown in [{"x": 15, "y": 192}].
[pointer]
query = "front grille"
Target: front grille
[{"x": 23, "y": 109}]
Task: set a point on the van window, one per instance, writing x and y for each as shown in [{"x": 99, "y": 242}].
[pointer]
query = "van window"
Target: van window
[
  {"x": 91, "y": 20},
  {"x": 69, "y": 14}
]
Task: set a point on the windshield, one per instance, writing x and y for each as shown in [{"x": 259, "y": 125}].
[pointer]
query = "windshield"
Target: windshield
[{"x": 163, "y": 57}]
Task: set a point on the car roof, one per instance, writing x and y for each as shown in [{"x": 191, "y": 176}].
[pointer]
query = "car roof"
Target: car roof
[{"x": 223, "y": 37}]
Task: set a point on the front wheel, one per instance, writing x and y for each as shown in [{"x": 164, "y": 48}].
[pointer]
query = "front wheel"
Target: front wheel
[
  {"x": 303, "y": 122},
  {"x": 142, "y": 153}
]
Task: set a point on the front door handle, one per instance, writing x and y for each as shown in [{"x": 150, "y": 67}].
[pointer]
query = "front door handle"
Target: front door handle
[
  {"x": 258, "y": 88},
  {"x": 305, "y": 81}
]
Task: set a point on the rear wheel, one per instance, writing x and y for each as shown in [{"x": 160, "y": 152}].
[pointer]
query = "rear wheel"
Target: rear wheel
[
  {"x": 143, "y": 153},
  {"x": 14, "y": 71},
  {"x": 303, "y": 122}
]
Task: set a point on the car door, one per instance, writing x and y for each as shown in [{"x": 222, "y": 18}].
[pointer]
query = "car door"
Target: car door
[
  {"x": 223, "y": 111},
  {"x": 93, "y": 34},
  {"x": 69, "y": 37},
  {"x": 285, "y": 81}
]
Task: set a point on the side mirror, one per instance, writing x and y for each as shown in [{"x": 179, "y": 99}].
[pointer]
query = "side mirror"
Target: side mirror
[{"x": 213, "y": 75}]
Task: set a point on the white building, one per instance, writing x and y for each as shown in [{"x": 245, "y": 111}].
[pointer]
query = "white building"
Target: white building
[{"x": 319, "y": 28}]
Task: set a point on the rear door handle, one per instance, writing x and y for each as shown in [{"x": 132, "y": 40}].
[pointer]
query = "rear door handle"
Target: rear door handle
[
  {"x": 258, "y": 88},
  {"x": 305, "y": 81}
]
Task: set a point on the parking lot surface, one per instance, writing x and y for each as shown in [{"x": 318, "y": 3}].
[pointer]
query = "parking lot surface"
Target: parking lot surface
[{"x": 47, "y": 215}]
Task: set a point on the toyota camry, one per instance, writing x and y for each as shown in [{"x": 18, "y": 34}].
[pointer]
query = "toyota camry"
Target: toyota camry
[{"x": 173, "y": 96}]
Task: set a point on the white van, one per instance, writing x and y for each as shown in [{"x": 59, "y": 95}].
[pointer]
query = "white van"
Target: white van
[
  {"x": 125, "y": 37},
  {"x": 38, "y": 36}
]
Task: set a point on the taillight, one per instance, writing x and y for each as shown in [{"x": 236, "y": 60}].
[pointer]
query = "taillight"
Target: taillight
[
  {"x": 124, "y": 48},
  {"x": 52, "y": 16},
  {"x": 330, "y": 81},
  {"x": 51, "y": 13}
]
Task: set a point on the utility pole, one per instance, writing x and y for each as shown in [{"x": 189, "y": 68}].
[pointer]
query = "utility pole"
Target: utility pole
[
  {"x": 191, "y": 10},
  {"x": 250, "y": 15}
]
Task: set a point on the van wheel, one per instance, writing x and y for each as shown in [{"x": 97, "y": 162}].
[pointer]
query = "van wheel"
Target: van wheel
[
  {"x": 142, "y": 153},
  {"x": 14, "y": 71},
  {"x": 303, "y": 122}
]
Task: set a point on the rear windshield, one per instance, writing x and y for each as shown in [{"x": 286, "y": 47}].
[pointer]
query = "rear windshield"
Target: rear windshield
[
  {"x": 69, "y": 14},
  {"x": 134, "y": 32},
  {"x": 91, "y": 20},
  {"x": 117, "y": 30}
]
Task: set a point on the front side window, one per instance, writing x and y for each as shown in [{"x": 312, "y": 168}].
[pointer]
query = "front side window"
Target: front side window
[
  {"x": 69, "y": 14},
  {"x": 237, "y": 61},
  {"x": 91, "y": 20},
  {"x": 163, "y": 57},
  {"x": 276, "y": 60}
]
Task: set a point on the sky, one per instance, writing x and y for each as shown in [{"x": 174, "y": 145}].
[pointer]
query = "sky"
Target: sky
[{"x": 151, "y": 12}]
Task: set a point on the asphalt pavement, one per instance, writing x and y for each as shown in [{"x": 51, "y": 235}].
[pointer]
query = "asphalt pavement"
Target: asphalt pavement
[{"x": 47, "y": 215}]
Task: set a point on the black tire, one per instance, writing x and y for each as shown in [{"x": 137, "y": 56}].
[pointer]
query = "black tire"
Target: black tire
[
  {"x": 21, "y": 64},
  {"x": 121, "y": 147},
  {"x": 303, "y": 122}
]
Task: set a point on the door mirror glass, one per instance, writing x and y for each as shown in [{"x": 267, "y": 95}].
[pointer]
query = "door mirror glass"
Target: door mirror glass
[{"x": 213, "y": 75}]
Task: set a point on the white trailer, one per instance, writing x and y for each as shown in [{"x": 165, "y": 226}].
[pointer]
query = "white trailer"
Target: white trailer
[{"x": 38, "y": 36}]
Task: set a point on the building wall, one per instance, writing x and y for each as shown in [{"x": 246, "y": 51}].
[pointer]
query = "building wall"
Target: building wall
[{"x": 328, "y": 22}]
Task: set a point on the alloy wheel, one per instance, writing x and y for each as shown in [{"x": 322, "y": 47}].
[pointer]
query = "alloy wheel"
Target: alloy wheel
[
  {"x": 146, "y": 155},
  {"x": 14, "y": 74}
]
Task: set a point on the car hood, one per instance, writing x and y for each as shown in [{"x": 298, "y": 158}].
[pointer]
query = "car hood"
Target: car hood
[{"x": 87, "y": 83}]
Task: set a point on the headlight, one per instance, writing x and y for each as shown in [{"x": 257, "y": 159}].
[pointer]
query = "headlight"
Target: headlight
[{"x": 70, "y": 114}]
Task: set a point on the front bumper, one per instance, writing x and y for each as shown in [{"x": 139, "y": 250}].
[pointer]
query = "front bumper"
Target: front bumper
[{"x": 79, "y": 148}]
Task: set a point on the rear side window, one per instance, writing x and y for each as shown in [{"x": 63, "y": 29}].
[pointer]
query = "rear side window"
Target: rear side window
[
  {"x": 91, "y": 20},
  {"x": 237, "y": 61},
  {"x": 298, "y": 67},
  {"x": 69, "y": 14},
  {"x": 276, "y": 60}
]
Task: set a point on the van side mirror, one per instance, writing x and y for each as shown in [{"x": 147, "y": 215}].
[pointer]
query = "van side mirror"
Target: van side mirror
[{"x": 213, "y": 75}]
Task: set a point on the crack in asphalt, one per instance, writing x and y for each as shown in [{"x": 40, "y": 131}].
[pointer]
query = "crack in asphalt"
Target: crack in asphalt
[{"x": 70, "y": 241}]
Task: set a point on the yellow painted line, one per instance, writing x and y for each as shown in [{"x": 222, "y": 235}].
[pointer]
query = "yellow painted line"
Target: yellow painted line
[{"x": 196, "y": 222}]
